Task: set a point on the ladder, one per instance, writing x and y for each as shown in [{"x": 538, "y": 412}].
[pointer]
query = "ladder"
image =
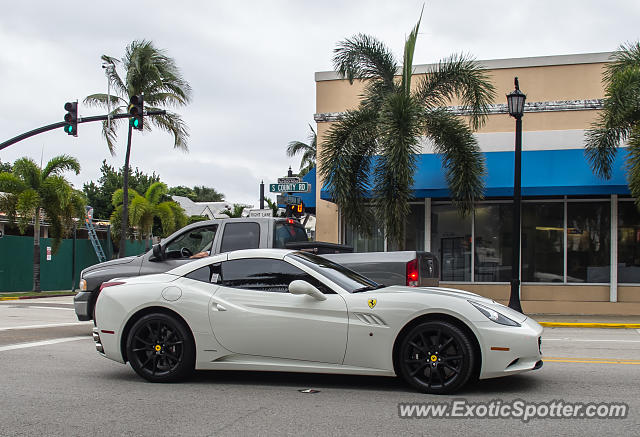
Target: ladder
[{"x": 88, "y": 222}]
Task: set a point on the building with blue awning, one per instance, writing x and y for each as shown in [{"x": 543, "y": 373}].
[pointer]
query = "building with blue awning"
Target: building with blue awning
[{"x": 580, "y": 234}]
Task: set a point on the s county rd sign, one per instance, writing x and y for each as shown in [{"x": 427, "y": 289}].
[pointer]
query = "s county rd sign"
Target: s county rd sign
[{"x": 299, "y": 187}]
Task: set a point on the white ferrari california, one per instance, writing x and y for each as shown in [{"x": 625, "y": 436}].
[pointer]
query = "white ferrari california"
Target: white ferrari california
[{"x": 284, "y": 310}]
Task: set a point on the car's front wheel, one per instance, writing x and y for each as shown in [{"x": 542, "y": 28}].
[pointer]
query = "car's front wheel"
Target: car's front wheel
[
  {"x": 160, "y": 348},
  {"x": 436, "y": 357}
]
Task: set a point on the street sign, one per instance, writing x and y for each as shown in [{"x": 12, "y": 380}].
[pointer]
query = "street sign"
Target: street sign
[
  {"x": 267, "y": 212},
  {"x": 289, "y": 180},
  {"x": 298, "y": 187},
  {"x": 288, "y": 200}
]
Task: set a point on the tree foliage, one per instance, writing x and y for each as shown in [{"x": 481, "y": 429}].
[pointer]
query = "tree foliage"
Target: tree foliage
[
  {"x": 207, "y": 194},
  {"x": 31, "y": 190},
  {"x": 236, "y": 212},
  {"x": 100, "y": 193},
  {"x": 619, "y": 121},
  {"x": 143, "y": 210},
  {"x": 308, "y": 150},
  {"x": 370, "y": 155}
]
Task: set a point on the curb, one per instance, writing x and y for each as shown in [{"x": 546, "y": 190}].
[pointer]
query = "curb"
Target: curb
[
  {"x": 34, "y": 297},
  {"x": 590, "y": 325}
]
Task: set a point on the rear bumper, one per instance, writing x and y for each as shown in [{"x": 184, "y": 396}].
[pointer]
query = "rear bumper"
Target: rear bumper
[{"x": 83, "y": 304}]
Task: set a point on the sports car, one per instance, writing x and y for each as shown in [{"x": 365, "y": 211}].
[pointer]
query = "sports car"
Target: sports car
[{"x": 292, "y": 311}]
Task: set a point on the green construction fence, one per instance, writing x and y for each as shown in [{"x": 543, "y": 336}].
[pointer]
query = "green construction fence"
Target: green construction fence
[{"x": 16, "y": 262}]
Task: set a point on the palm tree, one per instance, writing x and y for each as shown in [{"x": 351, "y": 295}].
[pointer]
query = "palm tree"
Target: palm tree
[
  {"x": 236, "y": 212},
  {"x": 619, "y": 120},
  {"x": 32, "y": 191},
  {"x": 149, "y": 72},
  {"x": 382, "y": 135},
  {"x": 308, "y": 152},
  {"x": 144, "y": 209}
]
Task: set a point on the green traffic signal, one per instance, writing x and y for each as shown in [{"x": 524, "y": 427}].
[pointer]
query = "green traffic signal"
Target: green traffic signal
[{"x": 68, "y": 129}]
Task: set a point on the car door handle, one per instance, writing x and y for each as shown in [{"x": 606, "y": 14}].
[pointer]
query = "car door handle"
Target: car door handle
[{"x": 219, "y": 307}]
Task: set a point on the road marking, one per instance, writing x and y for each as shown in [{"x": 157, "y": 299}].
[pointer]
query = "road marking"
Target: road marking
[
  {"x": 590, "y": 360},
  {"x": 590, "y": 341},
  {"x": 51, "y": 308},
  {"x": 39, "y": 343},
  {"x": 590, "y": 325},
  {"x": 50, "y": 325}
]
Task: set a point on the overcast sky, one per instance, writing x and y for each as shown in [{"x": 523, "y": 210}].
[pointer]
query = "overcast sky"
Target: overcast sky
[{"x": 251, "y": 65}]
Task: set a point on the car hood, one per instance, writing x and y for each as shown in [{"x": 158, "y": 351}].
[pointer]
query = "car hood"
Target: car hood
[
  {"x": 458, "y": 294},
  {"x": 113, "y": 262}
]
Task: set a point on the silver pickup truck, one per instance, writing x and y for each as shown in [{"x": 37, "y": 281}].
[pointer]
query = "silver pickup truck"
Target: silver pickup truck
[{"x": 224, "y": 235}]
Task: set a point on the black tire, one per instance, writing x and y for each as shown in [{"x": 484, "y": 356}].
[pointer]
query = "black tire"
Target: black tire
[
  {"x": 436, "y": 357},
  {"x": 160, "y": 348}
]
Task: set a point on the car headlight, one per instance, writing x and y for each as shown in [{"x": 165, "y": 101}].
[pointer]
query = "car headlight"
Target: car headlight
[
  {"x": 82, "y": 285},
  {"x": 494, "y": 315}
]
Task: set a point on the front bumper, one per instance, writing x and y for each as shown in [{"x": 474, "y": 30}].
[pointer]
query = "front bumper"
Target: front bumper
[
  {"x": 83, "y": 303},
  {"x": 510, "y": 350}
]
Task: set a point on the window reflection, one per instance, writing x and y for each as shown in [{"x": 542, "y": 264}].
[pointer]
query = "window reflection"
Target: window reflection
[
  {"x": 451, "y": 241},
  {"x": 543, "y": 242},
  {"x": 628, "y": 243},
  {"x": 493, "y": 229},
  {"x": 588, "y": 241}
]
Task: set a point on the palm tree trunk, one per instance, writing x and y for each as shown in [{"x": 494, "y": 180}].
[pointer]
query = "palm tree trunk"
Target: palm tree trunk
[
  {"x": 36, "y": 251},
  {"x": 125, "y": 198}
]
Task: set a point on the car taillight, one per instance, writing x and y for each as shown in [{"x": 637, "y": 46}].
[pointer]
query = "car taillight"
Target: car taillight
[
  {"x": 109, "y": 284},
  {"x": 413, "y": 277}
]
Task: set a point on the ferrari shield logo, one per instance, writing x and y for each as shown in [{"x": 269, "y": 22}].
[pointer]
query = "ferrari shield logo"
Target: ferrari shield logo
[{"x": 372, "y": 303}]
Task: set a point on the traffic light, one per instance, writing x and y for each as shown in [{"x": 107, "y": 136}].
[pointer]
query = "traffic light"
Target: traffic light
[
  {"x": 296, "y": 210},
  {"x": 136, "y": 109},
  {"x": 71, "y": 118}
]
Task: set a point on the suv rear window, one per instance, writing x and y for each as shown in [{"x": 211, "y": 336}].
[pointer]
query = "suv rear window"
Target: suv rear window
[{"x": 286, "y": 232}]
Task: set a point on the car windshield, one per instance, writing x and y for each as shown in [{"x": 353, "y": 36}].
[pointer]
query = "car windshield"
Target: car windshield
[{"x": 348, "y": 279}]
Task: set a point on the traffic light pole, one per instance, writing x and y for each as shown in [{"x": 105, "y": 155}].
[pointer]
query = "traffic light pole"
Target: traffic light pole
[{"x": 62, "y": 123}]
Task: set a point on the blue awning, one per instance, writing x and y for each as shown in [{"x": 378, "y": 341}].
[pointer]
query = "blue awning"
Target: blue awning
[{"x": 544, "y": 173}]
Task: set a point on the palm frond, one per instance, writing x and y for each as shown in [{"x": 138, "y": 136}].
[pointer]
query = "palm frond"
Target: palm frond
[
  {"x": 172, "y": 123},
  {"x": 103, "y": 100},
  {"x": 164, "y": 212},
  {"x": 461, "y": 158},
  {"x": 118, "y": 196},
  {"x": 10, "y": 183},
  {"x": 633, "y": 164},
  {"x": 346, "y": 161},
  {"x": 156, "y": 192},
  {"x": 409, "y": 49},
  {"x": 364, "y": 57},
  {"x": 626, "y": 57},
  {"x": 59, "y": 164},
  {"x": 295, "y": 147},
  {"x": 619, "y": 115},
  {"x": 27, "y": 170},
  {"x": 26, "y": 206},
  {"x": 458, "y": 76},
  {"x": 400, "y": 124}
]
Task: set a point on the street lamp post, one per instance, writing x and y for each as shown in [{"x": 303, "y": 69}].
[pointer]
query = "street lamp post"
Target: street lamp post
[{"x": 515, "y": 103}]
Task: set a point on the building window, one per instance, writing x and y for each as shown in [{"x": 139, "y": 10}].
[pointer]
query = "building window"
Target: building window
[
  {"x": 542, "y": 242},
  {"x": 492, "y": 249},
  {"x": 588, "y": 241},
  {"x": 628, "y": 243},
  {"x": 364, "y": 243},
  {"x": 414, "y": 231},
  {"x": 451, "y": 241}
]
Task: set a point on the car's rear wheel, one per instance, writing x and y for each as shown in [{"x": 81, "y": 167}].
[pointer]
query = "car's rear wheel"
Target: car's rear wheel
[
  {"x": 160, "y": 348},
  {"x": 436, "y": 357}
]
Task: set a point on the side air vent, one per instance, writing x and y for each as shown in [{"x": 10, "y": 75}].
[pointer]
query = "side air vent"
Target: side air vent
[{"x": 370, "y": 319}]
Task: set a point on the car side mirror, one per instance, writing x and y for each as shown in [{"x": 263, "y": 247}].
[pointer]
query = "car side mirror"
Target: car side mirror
[
  {"x": 158, "y": 253},
  {"x": 303, "y": 287}
]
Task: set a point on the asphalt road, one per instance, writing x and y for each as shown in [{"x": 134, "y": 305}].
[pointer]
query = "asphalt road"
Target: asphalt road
[{"x": 54, "y": 383}]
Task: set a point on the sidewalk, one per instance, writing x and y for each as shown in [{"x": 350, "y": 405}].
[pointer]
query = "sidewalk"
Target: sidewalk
[{"x": 587, "y": 321}]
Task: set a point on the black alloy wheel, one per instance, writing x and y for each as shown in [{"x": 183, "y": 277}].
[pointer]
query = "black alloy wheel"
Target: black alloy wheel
[
  {"x": 160, "y": 348},
  {"x": 436, "y": 357}
]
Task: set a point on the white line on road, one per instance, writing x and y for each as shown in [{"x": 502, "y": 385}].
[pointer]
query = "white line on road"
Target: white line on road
[
  {"x": 50, "y": 325},
  {"x": 39, "y": 343},
  {"x": 52, "y": 308},
  {"x": 590, "y": 341}
]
